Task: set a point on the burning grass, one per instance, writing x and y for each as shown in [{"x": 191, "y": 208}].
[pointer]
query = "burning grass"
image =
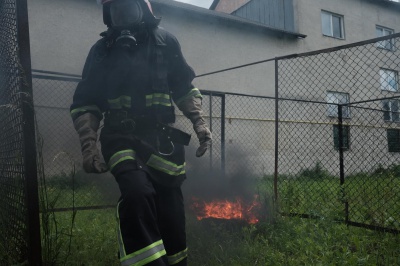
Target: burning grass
[{"x": 239, "y": 209}]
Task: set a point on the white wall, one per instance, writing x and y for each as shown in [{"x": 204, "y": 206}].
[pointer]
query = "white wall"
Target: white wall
[{"x": 62, "y": 32}]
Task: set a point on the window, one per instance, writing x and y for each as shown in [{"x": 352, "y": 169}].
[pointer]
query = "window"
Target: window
[
  {"x": 391, "y": 110},
  {"x": 345, "y": 135},
  {"x": 393, "y": 137},
  {"x": 386, "y": 44},
  {"x": 389, "y": 79},
  {"x": 338, "y": 98},
  {"x": 332, "y": 25}
]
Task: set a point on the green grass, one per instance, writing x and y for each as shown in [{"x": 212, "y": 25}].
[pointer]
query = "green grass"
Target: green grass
[
  {"x": 291, "y": 241},
  {"x": 372, "y": 199},
  {"x": 283, "y": 241},
  {"x": 89, "y": 237}
]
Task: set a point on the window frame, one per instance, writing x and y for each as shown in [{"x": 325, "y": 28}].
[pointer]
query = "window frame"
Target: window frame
[
  {"x": 332, "y": 109},
  {"x": 341, "y": 22},
  {"x": 382, "y": 79},
  {"x": 346, "y": 137},
  {"x": 390, "y": 111},
  {"x": 383, "y": 44},
  {"x": 393, "y": 137}
]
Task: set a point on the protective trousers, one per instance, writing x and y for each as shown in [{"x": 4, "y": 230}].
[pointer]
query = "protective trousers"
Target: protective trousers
[{"x": 151, "y": 221}]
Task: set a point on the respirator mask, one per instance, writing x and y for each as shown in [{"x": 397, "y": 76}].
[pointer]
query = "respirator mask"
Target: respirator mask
[{"x": 126, "y": 17}]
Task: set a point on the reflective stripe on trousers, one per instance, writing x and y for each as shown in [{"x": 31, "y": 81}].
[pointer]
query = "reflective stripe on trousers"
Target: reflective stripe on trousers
[
  {"x": 141, "y": 257},
  {"x": 178, "y": 257}
]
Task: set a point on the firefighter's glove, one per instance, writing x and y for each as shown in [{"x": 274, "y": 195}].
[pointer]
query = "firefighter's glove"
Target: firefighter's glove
[
  {"x": 87, "y": 125},
  {"x": 204, "y": 136},
  {"x": 191, "y": 108}
]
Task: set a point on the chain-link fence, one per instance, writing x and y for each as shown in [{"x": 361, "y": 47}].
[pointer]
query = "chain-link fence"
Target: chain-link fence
[
  {"x": 19, "y": 218},
  {"x": 243, "y": 140},
  {"x": 339, "y": 133},
  {"x": 336, "y": 142}
]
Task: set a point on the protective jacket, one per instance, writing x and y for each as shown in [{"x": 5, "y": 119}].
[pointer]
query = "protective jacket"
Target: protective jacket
[{"x": 134, "y": 90}]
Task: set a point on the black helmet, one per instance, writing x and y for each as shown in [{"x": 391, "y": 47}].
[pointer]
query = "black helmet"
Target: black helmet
[{"x": 148, "y": 17}]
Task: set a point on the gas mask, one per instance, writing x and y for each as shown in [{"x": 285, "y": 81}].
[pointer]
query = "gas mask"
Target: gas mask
[{"x": 126, "y": 17}]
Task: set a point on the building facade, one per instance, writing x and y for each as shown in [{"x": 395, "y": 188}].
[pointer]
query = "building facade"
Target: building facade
[
  {"x": 230, "y": 34},
  {"x": 62, "y": 33}
]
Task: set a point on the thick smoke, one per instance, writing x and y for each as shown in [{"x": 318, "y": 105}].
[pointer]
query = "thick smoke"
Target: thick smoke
[{"x": 206, "y": 180}]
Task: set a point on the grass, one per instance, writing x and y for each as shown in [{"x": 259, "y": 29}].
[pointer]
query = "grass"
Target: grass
[
  {"x": 372, "y": 198},
  {"x": 291, "y": 241},
  {"x": 89, "y": 237},
  {"x": 285, "y": 241}
]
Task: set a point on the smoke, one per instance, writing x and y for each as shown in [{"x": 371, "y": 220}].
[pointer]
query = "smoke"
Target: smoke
[
  {"x": 206, "y": 180},
  {"x": 238, "y": 183}
]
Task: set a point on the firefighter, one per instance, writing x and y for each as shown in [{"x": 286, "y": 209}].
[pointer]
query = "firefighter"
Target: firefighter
[{"x": 131, "y": 78}]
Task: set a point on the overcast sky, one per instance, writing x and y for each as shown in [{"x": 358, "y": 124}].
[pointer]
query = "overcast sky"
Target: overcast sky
[{"x": 201, "y": 3}]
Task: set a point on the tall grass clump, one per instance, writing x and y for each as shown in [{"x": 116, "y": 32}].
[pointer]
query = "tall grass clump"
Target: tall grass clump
[{"x": 56, "y": 235}]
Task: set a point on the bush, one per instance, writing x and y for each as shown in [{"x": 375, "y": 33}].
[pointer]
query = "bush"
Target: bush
[{"x": 317, "y": 172}]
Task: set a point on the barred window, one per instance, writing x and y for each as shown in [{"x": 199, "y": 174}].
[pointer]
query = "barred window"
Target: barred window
[
  {"x": 391, "y": 110},
  {"x": 337, "y": 98},
  {"x": 345, "y": 134},
  {"x": 381, "y": 32},
  {"x": 389, "y": 79},
  {"x": 393, "y": 137}
]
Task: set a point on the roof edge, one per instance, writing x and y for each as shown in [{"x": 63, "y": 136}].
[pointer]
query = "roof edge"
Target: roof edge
[
  {"x": 222, "y": 16},
  {"x": 214, "y": 4}
]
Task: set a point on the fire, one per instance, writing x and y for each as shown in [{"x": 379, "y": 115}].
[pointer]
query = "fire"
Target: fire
[{"x": 224, "y": 209}]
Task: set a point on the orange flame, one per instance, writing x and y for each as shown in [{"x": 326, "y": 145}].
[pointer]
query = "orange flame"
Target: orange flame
[{"x": 224, "y": 209}]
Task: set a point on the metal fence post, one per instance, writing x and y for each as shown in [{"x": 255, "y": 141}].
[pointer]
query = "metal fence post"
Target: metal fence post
[
  {"x": 223, "y": 134},
  {"x": 341, "y": 159},
  {"x": 32, "y": 197},
  {"x": 276, "y": 129},
  {"x": 211, "y": 128}
]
